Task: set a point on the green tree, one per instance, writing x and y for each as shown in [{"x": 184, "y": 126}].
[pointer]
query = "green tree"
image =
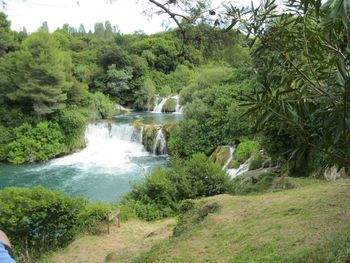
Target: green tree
[
  {"x": 8, "y": 41},
  {"x": 303, "y": 77},
  {"x": 37, "y": 75}
]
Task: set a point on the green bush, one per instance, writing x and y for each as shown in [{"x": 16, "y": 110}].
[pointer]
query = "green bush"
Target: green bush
[
  {"x": 39, "y": 143},
  {"x": 72, "y": 123},
  {"x": 102, "y": 105},
  {"x": 256, "y": 162},
  {"x": 199, "y": 177},
  {"x": 39, "y": 220},
  {"x": 254, "y": 185},
  {"x": 245, "y": 149},
  {"x": 170, "y": 105},
  {"x": 164, "y": 192}
]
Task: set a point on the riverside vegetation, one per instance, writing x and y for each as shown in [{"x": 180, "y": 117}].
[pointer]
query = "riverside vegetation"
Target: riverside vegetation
[{"x": 273, "y": 100}]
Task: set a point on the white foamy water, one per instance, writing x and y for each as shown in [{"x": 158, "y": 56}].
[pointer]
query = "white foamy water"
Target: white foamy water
[
  {"x": 232, "y": 151},
  {"x": 159, "y": 107},
  {"x": 160, "y": 142},
  {"x": 243, "y": 168},
  {"x": 109, "y": 146}
]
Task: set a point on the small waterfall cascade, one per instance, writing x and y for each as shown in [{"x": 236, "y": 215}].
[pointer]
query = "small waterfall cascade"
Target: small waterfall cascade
[
  {"x": 109, "y": 145},
  {"x": 178, "y": 109},
  {"x": 141, "y": 134},
  {"x": 233, "y": 173},
  {"x": 229, "y": 159},
  {"x": 159, "y": 145},
  {"x": 158, "y": 107}
]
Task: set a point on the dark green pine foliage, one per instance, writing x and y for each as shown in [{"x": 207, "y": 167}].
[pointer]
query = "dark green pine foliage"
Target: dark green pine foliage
[{"x": 37, "y": 75}]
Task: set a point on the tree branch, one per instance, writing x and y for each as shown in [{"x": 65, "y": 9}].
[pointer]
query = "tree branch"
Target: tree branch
[{"x": 171, "y": 14}]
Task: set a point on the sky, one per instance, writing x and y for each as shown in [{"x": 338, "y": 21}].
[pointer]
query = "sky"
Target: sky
[{"x": 126, "y": 14}]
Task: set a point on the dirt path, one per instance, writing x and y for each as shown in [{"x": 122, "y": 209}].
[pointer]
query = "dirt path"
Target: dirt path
[{"x": 133, "y": 238}]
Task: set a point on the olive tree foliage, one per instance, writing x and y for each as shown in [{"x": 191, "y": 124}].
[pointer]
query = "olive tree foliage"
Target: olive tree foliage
[{"x": 302, "y": 59}]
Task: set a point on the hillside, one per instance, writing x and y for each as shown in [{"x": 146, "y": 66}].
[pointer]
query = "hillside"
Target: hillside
[
  {"x": 131, "y": 239},
  {"x": 307, "y": 224}
]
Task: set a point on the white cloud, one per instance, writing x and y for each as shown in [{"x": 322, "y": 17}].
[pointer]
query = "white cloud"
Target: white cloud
[{"x": 126, "y": 14}]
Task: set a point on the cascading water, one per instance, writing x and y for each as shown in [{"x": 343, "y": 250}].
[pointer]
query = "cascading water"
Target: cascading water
[
  {"x": 159, "y": 146},
  {"x": 178, "y": 108},
  {"x": 232, "y": 151},
  {"x": 158, "y": 108},
  {"x": 104, "y": 169},
  {"x": 108, "y": 146},
  {"x": 235, "y": 172},
  {"x": 141, "y": 134},
  {"x": 239, "y": 171}
]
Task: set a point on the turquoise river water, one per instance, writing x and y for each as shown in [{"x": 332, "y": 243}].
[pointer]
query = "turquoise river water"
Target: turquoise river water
[{"x": 103, "y": 170}]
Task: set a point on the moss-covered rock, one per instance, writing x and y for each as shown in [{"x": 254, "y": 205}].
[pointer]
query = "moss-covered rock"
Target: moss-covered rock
[
  {"x": 245, "y": 150},
  {"x": 149, "y": 133},
  {"x": 256, "y": 161},
  {"x": 234, "y": 164},
  {"x": 220, "y": 155},
  {"x": 168, "y": 128},
  {"x": 170, "y": 105}
]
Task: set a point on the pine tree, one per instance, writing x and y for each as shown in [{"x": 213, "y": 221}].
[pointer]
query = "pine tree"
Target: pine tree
[{"x": 39, "y": 74}]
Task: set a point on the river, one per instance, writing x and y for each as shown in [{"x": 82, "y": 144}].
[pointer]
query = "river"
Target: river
[{"x": 103, "y": 170}]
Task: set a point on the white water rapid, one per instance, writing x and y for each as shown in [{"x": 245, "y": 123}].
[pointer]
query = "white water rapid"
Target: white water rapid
[
  {"x": 232, "y": 151},
  {"x": 108, "y": 146},
  {"x": 159, "y": 143},
  {"x": 158, "y": 108},
  {"x": 233, "y": 173},
  {"x": 178, "y": 109}
]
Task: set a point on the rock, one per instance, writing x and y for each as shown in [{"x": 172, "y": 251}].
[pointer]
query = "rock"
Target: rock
[
  {"x": 169, "y": 106},
  {"x": 234, "y": 164},
  {"x": 120, "y": 108},
  {"x": 333, "y": 173},
  {"x": 149, "y": 134},
  {"x": 220, "y": 155}
]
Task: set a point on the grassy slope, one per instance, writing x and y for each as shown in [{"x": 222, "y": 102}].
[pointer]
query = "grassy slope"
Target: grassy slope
[
  {"x": 307, "y": 224},
  {"x": 121, "y": 245}
]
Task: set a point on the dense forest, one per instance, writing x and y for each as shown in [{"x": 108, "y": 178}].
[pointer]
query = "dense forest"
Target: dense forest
[{"x": 272, "y": 85}]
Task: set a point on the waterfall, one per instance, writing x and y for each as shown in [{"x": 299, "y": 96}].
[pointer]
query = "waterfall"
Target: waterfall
[
  {"x": 178, "y": 107},
  {"x": 229, "y": 159},
  {"x": 235, "y": 172},
  {"x": 109, "y": 145},
  {"x": 159, "y": 143},
  {"x": 240, "y": 170},
  {"x": 158, "y": 108},
  {"x": 141, "y": 134}
]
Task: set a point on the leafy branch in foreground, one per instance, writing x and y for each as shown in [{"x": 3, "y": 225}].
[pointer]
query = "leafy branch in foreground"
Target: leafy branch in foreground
[{"x": 301, "y": 56}]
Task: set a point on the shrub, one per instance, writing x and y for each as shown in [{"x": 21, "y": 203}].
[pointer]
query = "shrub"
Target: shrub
[
  {"x": 102, "y": 105},
  {"x": 39, "y": 220},
  {"x": 198, "y": 177},
  {"x": 256, "y": 162},
  {"x": 245, "y": 149},
  {"x": 256, "y": 185},
  {"x": 38, "y": 143},
  {"x": 164, "y": 192},
  {"x": 170, "y": 105},
  {"x": 72, "y": 123}
]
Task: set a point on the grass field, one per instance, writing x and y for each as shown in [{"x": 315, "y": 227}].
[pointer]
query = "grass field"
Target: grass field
[
  {"x": 310, "y": 223},
  {"x": 307, "y": 224}
]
